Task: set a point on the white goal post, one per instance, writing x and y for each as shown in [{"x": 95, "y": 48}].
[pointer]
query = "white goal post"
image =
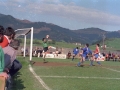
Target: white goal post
[{"x": 24, "y": 32}]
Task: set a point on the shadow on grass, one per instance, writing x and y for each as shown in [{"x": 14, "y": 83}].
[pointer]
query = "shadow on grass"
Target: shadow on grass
[{"x": 18, "y": 84}]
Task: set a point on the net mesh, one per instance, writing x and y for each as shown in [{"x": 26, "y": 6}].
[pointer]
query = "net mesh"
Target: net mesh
[{"x": 20, "y": 32}]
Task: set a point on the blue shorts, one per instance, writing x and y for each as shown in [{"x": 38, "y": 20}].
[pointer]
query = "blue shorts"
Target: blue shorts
[
  {"x": 96, "y": 55},
  {"x": 75, "y": 54},
  {"x": 84, "y": 55}
]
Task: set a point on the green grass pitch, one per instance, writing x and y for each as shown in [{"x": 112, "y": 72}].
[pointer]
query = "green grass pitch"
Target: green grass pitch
[{"x": 105, "y": 77}]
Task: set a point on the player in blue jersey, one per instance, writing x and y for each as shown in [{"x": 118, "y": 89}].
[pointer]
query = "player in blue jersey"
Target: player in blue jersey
[
  {"x": 84, "y": 54},
  {"x": 75, "y": 52}
]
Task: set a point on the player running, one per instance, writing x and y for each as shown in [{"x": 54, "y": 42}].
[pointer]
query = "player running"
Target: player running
[
  {"x": 75, "y": 52},
  {"x": 84, "y": 53},
  {"x": 96, "y": 55}
]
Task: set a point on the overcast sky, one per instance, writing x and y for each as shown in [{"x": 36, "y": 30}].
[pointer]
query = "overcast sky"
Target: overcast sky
[{"x": 72, "y": 14}]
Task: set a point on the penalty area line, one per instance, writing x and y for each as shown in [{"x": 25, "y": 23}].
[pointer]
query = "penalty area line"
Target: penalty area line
[
  {"x": 111, "y": 69},
  {"x": 38, "y": 78},
  {"x": 106, "y": 78}
]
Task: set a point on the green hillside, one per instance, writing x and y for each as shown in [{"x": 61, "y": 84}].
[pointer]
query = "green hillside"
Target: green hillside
[
  {"x": 113, "y": 43},
  {"x": 57, "y": 33},
  {"x": 38, "y": 43}
]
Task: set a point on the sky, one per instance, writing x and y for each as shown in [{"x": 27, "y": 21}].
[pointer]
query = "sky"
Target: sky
[{"x": 71, "y": 14}]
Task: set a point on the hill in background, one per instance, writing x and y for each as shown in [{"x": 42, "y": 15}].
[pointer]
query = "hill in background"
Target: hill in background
[{"x": 57, "y": 33}]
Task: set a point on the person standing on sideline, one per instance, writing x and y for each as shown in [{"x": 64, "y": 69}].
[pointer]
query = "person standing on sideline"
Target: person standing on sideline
[{"x": 75, "y": 52}]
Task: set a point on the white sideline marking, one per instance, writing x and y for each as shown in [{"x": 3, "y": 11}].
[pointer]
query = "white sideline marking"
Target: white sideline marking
[
  {"x": 38, "y": 78},
  {"x": 111, "y": 69},
  {"x": 81, "y": 77}
]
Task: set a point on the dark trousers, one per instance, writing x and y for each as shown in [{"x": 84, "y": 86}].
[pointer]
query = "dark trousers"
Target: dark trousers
[
  {"x": 16, "y": 66},
  {"x": 7, "y": 61}
]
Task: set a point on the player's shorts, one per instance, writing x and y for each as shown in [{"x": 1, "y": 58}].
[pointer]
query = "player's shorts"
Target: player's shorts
[
  {"x": 74, "y": 54},
  {"x": 84, "y": 55},
  {"x": 45, "y": 49},
  {"x": 96, "y": 55}
]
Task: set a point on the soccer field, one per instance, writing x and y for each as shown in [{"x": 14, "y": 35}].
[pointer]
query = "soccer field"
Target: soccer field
[{"x": 66, "y": 76}]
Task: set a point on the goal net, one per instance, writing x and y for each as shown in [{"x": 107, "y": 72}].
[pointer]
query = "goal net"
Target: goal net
[{"x": 24, "y": 32}]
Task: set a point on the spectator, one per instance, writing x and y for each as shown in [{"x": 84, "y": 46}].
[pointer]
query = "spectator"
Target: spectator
[
  {"x": 69, "y": 55},
  {"x": 2, "y": 65},
  {"x": 113, "y": 56},
  {"x": 109, "y": 56},
  {"x": 103, "y": 54},
  {"x": 26, "y": 51},
  {"x": 116, "y": 57},
  {"x": 11, "y": 50},
  {"x": 5, "y": 39},
  {"x": 2, "y": 62},
  {"x": 39, "y": 52},
  {"x": 22, "y": 51},
  {"x": 56, "y": 51},
  {"x": 9, "y": 35},
  {"x": 106, "y": 56},
  {"x": 34, "y": 52}
]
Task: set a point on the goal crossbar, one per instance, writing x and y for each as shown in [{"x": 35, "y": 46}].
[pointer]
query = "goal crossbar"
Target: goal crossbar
[{"x": 24, "y": 32}]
